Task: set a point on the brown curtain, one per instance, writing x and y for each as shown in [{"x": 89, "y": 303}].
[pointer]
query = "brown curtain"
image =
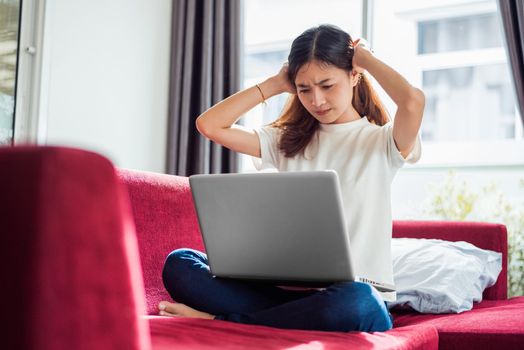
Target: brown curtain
[
  {"x": 512, "y": 14},
  {"x": 205, "y": 68}
]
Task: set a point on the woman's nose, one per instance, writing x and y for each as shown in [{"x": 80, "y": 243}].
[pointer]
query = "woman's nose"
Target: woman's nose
[{"x": 317, "y": 99}]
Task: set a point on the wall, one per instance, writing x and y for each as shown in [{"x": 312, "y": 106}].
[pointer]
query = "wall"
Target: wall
[{"x": 109, "y": 77}]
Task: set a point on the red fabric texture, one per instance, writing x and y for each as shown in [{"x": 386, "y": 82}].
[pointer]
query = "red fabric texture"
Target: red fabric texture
[
  {"x": 69, "y": 260},
  {"x": 165, "y": 220},
  {"x": 214, "y": 334},
  {"x": 481, "y": 234},
  {"x": 491, "y": 325}
]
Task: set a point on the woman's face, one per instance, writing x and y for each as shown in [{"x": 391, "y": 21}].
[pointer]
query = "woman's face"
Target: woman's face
[{"x": 326, "y": 92}]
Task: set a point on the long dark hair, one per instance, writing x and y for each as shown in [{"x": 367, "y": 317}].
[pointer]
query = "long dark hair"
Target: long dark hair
[{"x": 330, "y": 45}]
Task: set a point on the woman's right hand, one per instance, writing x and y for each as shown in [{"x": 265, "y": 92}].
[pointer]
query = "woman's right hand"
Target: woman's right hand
[
  {"x": 283, "y": 82},
  {"x": 361, "y": 54}
]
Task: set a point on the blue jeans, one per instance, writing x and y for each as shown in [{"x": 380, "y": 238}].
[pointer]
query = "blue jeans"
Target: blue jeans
[{"x": 347, "y": 306}]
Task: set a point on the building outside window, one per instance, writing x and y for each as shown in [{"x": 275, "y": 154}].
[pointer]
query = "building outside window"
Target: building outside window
[
  {"x": 454, "y": 51},
  {"x": 468, "y": 98}
]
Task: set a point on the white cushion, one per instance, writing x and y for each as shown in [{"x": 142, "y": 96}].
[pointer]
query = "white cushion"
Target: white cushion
[{"x": 436, "y": 276}]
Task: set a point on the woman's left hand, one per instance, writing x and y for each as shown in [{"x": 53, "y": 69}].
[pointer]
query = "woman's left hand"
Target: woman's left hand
[{"x": 361, "y": 54}]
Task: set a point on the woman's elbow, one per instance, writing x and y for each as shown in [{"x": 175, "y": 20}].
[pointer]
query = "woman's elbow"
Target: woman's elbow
[
  {"x": 416, "y": 101},
  {"x": 202, "y": 127}
]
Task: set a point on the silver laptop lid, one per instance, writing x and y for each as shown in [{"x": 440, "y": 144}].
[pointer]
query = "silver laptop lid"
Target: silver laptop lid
[{"x": 284, "y": 227}]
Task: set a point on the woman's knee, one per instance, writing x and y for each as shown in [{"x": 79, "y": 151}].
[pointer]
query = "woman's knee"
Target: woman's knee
[
  {"x": 180, "y": 260},
  {"x": 357, "y": 306},
  {"x": 372, "y": 312}
]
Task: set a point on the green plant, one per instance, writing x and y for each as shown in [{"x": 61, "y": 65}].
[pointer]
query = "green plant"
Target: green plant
[{"x": 453, "y": 200}]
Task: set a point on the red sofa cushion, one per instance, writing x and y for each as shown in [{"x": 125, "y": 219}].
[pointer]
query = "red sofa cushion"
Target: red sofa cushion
[
  {"x": 492, "y": 324},
  {"x": 214, "y": 334}
]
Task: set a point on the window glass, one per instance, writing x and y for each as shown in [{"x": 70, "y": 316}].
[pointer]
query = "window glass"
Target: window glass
[
  {"x": 468, "y": 103},
  {"x": 462, "y": 33},
  {"x": 9, "y": 24},
  {"x": 453, "y": 51}
]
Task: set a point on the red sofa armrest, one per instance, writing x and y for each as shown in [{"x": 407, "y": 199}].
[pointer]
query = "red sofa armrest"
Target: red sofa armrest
[
  {"x": 68, "y": 253},
  {"x": 481, "y": 234}
]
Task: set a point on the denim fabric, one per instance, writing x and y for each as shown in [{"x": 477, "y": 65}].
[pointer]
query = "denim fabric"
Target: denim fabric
[{"x": 347, "y": 306}]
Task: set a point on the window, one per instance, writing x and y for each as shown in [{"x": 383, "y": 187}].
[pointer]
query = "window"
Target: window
[
  {"x": 468, "y": 103},
  {"x": 474, "y": 99},
  {"x": 475, "y": 32},
  {"x": 266, "y": 46},
  {"x": 454, "y": 51},
  {"x": 9, "y": 29}
]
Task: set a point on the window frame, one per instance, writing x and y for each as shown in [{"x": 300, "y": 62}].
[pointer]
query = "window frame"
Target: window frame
[{"x": 31, "y": 99}]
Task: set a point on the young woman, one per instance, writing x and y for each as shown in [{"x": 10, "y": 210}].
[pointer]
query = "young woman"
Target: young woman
[{"x": 333, "y": 120}]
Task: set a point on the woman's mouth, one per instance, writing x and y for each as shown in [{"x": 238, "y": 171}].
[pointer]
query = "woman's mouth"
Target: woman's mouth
[{"x": 322, "y": 112}]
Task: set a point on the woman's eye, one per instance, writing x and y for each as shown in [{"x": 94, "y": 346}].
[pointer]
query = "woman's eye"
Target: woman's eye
[
  {"x": 326, "y": 87},
  {"x": 303, "y": 91}
]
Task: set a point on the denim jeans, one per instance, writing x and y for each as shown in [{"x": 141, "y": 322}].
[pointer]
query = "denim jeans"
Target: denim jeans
[{"x": 346, "y": 306}]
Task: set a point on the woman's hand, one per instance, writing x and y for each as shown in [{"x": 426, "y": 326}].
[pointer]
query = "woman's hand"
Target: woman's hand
[
  {"x": 361, "y": 54},
  {"x": 277, "y": 84},
  {"x": 283, "y": 82}
]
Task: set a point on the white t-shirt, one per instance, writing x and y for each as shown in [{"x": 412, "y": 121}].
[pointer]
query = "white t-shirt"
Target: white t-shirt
[{"x": 366, "y": 160}]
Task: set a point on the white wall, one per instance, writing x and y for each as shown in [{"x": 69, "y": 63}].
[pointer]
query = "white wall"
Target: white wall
[{"x": 108, "y": 78}]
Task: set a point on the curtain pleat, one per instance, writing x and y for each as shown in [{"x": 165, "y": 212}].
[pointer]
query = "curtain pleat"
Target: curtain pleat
[
  {"x": 512, "y": 15},
  {"x": 205, "y": 58}
]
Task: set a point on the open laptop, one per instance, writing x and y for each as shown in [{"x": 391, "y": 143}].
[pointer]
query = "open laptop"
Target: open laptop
[{"x": 286, "y": 228}]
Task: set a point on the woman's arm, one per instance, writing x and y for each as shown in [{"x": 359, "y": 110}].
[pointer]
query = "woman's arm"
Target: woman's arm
[
  {"x": 409, "y": 100},
  {"x": 218, "y": 122}
]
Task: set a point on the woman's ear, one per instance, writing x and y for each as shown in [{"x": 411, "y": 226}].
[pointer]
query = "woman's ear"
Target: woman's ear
[{"x": 354, "y": 77}]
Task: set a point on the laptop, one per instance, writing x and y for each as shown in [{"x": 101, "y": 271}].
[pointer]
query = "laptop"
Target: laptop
[{"x": 284, "y": 228}]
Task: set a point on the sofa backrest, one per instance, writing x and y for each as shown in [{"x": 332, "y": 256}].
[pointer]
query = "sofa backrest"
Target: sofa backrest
[
  {"x": 481, "y": 234},
  {"x": 68, "y": 253},
  {"x": 165, "y": 219}
]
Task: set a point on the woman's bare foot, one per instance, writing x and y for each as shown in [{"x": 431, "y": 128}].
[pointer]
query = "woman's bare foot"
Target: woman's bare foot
[{"x": 177, "y": 309}]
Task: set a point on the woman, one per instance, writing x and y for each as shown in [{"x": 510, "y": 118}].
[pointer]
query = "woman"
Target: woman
[{"x": 333, "y": 120}]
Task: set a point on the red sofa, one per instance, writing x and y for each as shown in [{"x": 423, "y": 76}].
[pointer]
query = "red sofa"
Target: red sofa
[{"x": 83, "y": 245}]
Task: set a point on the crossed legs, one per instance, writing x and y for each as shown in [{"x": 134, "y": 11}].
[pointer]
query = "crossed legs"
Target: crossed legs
[{"x": 349, "y": 306}]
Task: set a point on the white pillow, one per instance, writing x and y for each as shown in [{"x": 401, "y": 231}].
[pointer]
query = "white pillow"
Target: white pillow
[{"x": 436, "y": 276}]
